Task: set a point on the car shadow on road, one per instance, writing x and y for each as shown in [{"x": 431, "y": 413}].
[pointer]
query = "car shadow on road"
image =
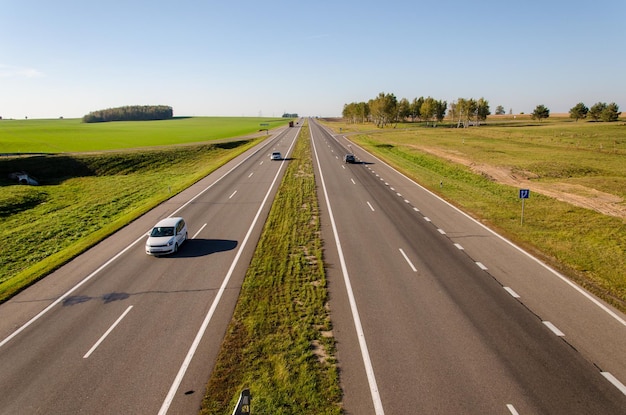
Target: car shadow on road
[
  {"x": 190, "y": 249},
  {"x": 361, "y": 162},
  {"x": 193, "y": 248}
]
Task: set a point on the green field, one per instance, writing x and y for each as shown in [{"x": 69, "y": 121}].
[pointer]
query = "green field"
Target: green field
[
  {"x": 575, "y": 219},
  {"x": 576, "y": 216},
  {"x": 85, "y": 197},
  {"x": 71, "y": 135},
  {"x": 280, "y": 320}
]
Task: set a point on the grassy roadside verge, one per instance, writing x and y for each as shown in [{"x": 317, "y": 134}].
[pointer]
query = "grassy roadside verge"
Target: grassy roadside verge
[
  {"x": 583, "y": 244},
  {"x": 277, "y": 344},
  {"x": 87, "y": 198}
]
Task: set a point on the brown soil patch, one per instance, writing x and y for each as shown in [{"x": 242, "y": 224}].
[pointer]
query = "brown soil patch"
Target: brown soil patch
[{"x": 574, "y": 194}]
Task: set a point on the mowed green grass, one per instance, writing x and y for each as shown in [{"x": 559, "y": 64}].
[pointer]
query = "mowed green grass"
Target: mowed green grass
[
  {"x": 279, "y": 344},
  {"x": 86, "y": 196},
  {"x": 92, "y": 196},
  {"x": 588, "y": 246},
  {"x": 71, "y": 135}
]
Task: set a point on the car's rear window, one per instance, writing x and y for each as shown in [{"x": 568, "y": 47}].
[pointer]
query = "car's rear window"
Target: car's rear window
[{"x": 162, "y": 231}]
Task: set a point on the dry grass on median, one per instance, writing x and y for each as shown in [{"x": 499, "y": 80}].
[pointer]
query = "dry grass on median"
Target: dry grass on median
[{"x": 278, "y": 343}]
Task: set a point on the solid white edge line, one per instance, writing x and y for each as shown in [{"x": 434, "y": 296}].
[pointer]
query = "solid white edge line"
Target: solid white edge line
[
  {"x": 562, "y": 277},
  {"x": 132, "y": 244},
  {"x": 207, "y": 319},
  {"x": 67, "y": 293},
  {"x": 580, "y": 290},
  {"x": 512, "y": 409},
  {"x": 408, "y": 260},
  {"x": 619, "y": 385},
  {"x": 369, "y": 369},
  {"x": 553, "y": 328},
  {"x": 104, "y": 336}
]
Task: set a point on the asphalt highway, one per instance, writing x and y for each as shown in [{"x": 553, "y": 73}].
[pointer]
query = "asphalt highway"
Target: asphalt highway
[
  {"x": 116, "y": 331},
  {"x": 435, "y": 314},
  {"x": 432, "y": 312}
]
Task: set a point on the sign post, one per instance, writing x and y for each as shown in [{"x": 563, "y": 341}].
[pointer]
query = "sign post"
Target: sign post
[{"x": 523, "y": 194}]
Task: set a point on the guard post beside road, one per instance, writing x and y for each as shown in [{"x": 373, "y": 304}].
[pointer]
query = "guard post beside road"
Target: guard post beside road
[{"x": 243, "y": 404}]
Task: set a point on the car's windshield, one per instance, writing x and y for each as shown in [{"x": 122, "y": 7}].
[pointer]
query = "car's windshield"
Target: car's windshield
[{"x": 162, "y": 231}]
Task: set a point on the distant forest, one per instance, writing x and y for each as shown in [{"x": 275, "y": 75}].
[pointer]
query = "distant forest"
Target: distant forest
[{"x": 131, "y": 113}]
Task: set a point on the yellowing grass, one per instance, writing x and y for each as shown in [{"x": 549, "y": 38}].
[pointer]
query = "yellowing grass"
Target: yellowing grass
[{"x": 576, "y": 216}]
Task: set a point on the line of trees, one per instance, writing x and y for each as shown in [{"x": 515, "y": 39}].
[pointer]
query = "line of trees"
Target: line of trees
[
  {"x": 387, "y": 109},
  {"x": 600, "y": 111},
  {"x": 469, "y": 111},
  {"x": 131, "y": 113}
]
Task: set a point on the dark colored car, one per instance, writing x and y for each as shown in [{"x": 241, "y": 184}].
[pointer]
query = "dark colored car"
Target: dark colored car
[{"x": 349, "y": 158}]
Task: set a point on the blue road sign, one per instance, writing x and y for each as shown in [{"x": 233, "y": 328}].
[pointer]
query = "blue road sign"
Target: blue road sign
[{"x": 524, "y": 193}]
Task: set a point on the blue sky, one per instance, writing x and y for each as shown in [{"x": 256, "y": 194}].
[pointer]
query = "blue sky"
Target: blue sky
[{"x": 250, "y": 58}]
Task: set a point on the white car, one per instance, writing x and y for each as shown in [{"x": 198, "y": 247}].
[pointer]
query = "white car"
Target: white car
[
  {"x": 276, "y": 156},
  {"x": 166, "y": 236}
]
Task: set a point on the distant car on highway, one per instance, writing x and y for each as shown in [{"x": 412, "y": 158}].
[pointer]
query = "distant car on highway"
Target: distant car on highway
[
  {"x": 349, "y": 158},
  {"x": 166, "y": 236},
  {"x": 276, "y": 156}
]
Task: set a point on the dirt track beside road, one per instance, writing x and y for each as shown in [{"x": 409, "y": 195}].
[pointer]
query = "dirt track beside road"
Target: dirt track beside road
[{"x": 574, "y": 194}]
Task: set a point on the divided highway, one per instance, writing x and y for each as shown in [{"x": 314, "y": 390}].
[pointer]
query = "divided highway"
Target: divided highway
[
  {"x": 119, "y": 332},
  {"x": 434, "y": 314}
]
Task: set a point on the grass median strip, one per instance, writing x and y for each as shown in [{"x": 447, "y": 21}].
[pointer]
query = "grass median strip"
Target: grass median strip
[{"x": 279, "y": 343}]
